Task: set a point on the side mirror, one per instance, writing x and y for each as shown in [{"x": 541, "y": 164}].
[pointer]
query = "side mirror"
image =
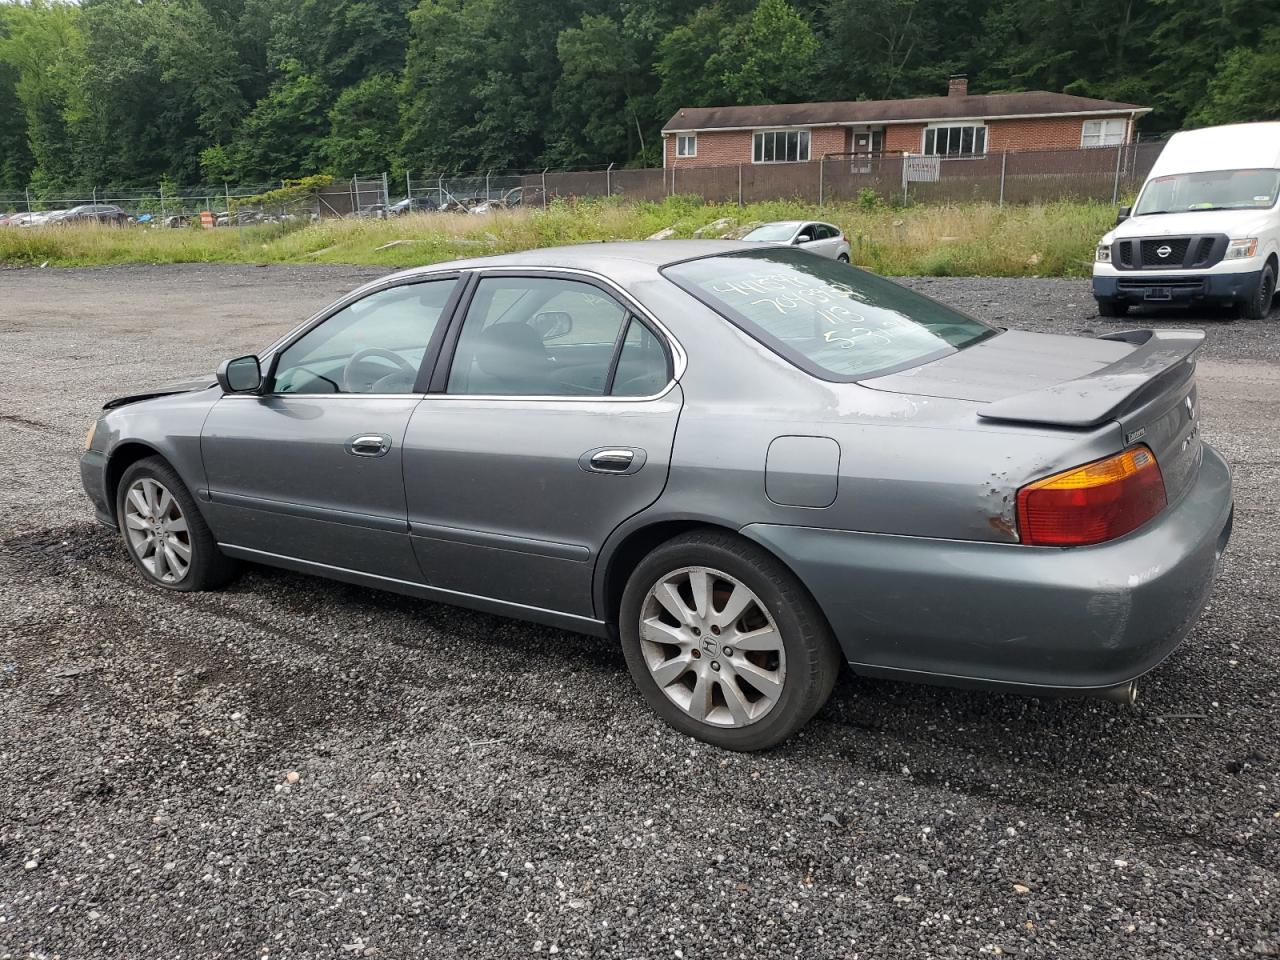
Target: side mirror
[
  {"x": 241, "y": 375},
  {"x": 552, "y": 324},
  {"x": 1123, "y": 214},
  {"x": 803, "y": 238}
]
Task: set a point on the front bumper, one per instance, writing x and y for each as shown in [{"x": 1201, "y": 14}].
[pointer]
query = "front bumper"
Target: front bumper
[
  {"x": 1032, "y": 619},
  {"x": 93, "y": 476},
  {"x": 1174, "y": 288}
]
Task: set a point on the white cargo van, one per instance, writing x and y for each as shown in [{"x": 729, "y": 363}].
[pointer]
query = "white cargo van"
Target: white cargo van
[{"x": 1205, "y": 228}]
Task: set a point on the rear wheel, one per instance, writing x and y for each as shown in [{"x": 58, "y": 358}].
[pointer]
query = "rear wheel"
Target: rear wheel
[
  {"x": 843, "y": 258},
  {"x": 725, "y": 643},
  {"x": 165, "y": 534},
  {"x": 1112, "y": 308},
  {"x": 1259, "y": 306}
]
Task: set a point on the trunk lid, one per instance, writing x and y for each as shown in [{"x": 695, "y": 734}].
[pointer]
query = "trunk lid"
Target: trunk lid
[{"x": 1142, "y": 379}]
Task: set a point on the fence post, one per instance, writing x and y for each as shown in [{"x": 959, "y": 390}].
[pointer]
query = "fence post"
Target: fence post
[
  {"x": 673, "y": 180},
  {"x": 226, "y": 188},
  {"x": 1115, "y": 188},
  {"x": 544, "y": 187},
  {"x": 487, "y": 194},
  {"x": 1004, "y": 160},
  {"x": 163, "y": 215},
  {"x": 822, "y": 163},
  {"x": 386, "y": 190},
  {"x": 408, "y": 186},
  {"x": 440, "y": 190},
  {"x": 95, "y": 194},
  {"x": 608, "y": 181},
  {"x": 27, "y": 191},
  {"x": 351, "y": 190},
  {"x": 739, "y": 184}
]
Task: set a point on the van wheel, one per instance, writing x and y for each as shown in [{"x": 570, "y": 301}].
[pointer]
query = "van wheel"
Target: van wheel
[
  {"x": 725, "y": 643},
  {"x": 1112, "y": 308},
  {"x": 1258, "y": 307}
]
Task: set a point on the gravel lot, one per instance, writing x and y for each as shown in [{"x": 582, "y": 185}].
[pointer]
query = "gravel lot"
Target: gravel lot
[{"x": 297, "y": 768}]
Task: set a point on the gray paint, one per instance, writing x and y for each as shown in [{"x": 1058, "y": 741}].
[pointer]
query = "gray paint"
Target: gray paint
[
  {"x": 802, "y": 471},
  {"x": 892, "y": 499}
]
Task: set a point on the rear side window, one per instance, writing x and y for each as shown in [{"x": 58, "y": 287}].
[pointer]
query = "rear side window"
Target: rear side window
[{"x": 830, "y": 319}]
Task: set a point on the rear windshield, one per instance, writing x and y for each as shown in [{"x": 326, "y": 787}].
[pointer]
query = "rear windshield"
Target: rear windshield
[{"x": 831, "y": 319}]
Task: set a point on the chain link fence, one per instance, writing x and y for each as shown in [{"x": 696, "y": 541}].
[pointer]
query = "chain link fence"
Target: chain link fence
[{"x": 1103, "y": 174}]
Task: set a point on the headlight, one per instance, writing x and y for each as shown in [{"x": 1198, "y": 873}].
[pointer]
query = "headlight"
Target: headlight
[
  {"x": 1103, "y": 253},
  {"x": 1242, "y": 249},
  {"x": 88, "y": 440}
]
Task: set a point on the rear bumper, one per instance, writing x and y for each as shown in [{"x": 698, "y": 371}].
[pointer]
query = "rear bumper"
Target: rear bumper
[
  {"x": 1177, "y": 288},
  {"x": 1032, "y": 619}
]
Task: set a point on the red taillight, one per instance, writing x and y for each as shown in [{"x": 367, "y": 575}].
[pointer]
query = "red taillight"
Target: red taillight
[{"x": 1098, "y": 501}]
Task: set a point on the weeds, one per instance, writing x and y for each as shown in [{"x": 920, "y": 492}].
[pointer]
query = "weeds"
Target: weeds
[{"x": 937, "y": 240}]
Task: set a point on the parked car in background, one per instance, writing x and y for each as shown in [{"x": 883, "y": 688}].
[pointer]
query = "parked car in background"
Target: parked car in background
[
  {"x": 37, "y": 219},
  {"x": 824, "y": 239},
  {"x": 744, "y": 462},
  {"x": 106, "y": 213},
  {"x": 1205, "y": 228},
  {"x": 413, "y": 205},
  {"x": 374, "y": 211}
]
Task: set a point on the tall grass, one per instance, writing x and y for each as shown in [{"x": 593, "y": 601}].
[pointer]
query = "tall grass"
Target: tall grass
[{"x": 944, "y": 240}]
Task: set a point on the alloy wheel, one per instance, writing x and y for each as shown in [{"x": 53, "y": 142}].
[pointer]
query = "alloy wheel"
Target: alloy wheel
[
  {"x": 712, "y": 647},
  {"x": 157, "y": 530}
]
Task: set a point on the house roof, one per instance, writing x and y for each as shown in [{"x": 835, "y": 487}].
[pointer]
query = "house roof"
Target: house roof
[{"x": 1032, "y": 103}]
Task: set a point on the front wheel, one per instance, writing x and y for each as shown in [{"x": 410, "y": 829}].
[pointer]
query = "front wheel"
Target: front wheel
[
  {"x": 725, "y": 644},
  {"x": 1259, "y": 306},
  {"x": 1111, "y": 308},
  {"x": 163, "y": 530},
  {"x": 843, "y": 258}
]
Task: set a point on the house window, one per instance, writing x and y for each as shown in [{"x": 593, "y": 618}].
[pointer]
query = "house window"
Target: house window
[
  {"x": 780, "y": 146},
  {"x": 687, "y": 145},
  {"x": 969, "y": 140},
  {"x": 1103, "y": 133}
]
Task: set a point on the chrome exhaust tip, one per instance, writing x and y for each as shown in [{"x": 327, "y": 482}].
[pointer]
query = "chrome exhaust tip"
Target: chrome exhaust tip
[{"x": 1122, "y": 693}]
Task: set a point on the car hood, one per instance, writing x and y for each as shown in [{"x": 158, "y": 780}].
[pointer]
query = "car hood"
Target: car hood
[
  {"x": 163, "y": 390},
  {"x": 1004, "y": 366},
  {"x": 1236, "y": 224}
]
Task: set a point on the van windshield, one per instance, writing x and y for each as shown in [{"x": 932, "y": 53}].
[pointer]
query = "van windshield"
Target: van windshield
[
  {"x": 828, "y": 318},
  {"x": 1210, "y": 190}
]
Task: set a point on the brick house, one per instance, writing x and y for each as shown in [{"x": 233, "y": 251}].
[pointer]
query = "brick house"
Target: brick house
[{"x": 957, "y": 125}]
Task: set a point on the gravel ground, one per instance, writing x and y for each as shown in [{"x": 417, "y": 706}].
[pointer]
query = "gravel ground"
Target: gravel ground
[{"x": 297, "y": 768}]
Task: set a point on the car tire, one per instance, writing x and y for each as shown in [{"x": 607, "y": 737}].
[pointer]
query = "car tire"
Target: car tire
[
  {"x": 1112, "y": 308},
  {"x": 795, "y": 675},
  {"x": 843, "y": 258},
  {"x": 158, "y": 531},
  {"x": 1259, "y": 306}
]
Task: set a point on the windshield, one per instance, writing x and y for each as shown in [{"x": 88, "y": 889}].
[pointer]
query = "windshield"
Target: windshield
[
  {"x": 1210, "y": 190},
  {"x": 833, "y": 320},
  {"x": 773, "y": 232}
]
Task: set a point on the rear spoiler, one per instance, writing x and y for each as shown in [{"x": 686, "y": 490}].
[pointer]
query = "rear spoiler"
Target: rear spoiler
[{"x": 1106, "y": 393}]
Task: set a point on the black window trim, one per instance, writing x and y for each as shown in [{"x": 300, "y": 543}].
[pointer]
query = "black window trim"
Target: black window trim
[
  {"x": 794, "y": 357},
  {"x": 438, "y": 382}
]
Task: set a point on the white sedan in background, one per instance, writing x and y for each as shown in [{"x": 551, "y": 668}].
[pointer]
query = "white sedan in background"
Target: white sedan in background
[{"x": 824, "y": 239}]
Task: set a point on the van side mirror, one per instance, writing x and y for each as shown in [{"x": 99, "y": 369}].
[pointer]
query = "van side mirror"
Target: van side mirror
[
  {"x": 1123, "y": 214},
  {"x": 241, "y": 375}
]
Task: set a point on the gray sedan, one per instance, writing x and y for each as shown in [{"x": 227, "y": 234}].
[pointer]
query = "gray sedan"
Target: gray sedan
[{"x": 746, "y": 463}]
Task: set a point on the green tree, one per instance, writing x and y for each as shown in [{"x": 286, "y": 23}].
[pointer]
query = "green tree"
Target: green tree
[
  {"x": 768, "y": 57},
  {"x": 363, "y": 128},
  {"x": 1246, "y": 87},
  {"x": 44, "y": 49},
  {"x": 282, "y": 136}
]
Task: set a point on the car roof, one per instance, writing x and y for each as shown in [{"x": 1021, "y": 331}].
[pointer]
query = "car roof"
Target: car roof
[{"x": 598, "y": 257}]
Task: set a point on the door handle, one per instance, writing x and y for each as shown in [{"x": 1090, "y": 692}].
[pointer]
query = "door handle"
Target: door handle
[
  {"x": 369, "y": 445},
  {"x": 615, "y": 460}
]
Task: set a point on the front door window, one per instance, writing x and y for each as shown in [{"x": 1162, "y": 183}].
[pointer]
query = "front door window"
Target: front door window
[{"x": 373, "y": 346}]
